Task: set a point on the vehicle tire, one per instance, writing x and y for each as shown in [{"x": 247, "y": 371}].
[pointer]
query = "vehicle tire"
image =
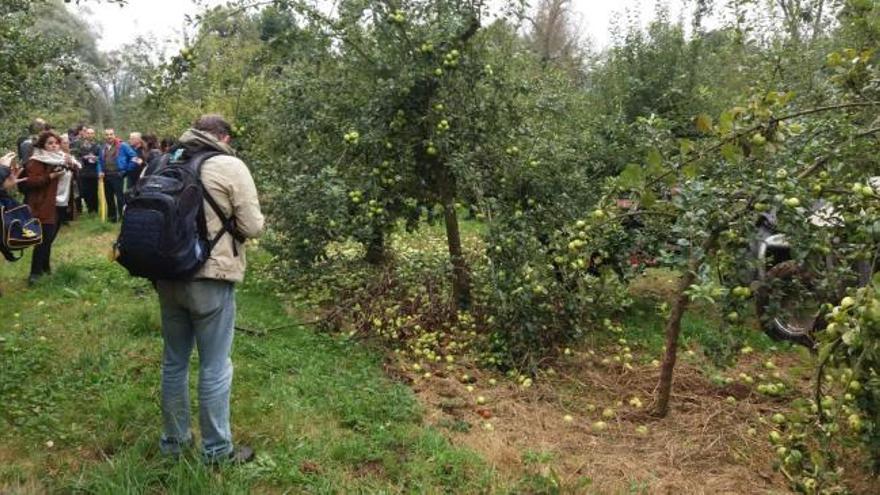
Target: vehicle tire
[{"x": 782, "y": 316}]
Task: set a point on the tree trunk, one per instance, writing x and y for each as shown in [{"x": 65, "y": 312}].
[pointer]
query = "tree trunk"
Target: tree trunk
[
  {"x": 376, "y": 254},
  {"x": 461, "y": 280},
  {"x": 817, "y": 21},
  {"x": 673, "y": 324},
  {"x": 792, "y": 11},
  {"x": 673, "y": 330}
]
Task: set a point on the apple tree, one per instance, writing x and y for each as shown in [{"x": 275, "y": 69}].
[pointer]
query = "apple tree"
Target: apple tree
[
  {"x": 541, "y": 287},
  {"x": 399, "y": 107},
  {"x": 34, "y": 68}
]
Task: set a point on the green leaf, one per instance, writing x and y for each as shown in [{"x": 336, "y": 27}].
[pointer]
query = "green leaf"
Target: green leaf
[
  {"x": 825, "y": 351},
  {"x": 691, "y": 170},
  {"x": 632, "y": 177},
  {"x": 648, "y": 199},
  {"x": 725, "y": 123},
  {"x": 703, "y": 123},
  {"x": 686, "y": 146},
  {"x": 654, "y": 163},
  {"x": 731, "y": 152}
]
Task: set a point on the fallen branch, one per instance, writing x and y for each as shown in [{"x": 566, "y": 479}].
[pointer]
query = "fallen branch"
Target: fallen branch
[{"x": 265, "y": 331}]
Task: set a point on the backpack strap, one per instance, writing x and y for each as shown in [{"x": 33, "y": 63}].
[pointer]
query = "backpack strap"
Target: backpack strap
[{"x": 227, "y": 223}]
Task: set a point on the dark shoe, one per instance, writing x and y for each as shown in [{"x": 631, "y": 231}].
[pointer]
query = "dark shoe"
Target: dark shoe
[
  {"x": 32, "y": 280},
  {"x": 241, "y": 455},
  {"x": 173, "y": 449}
]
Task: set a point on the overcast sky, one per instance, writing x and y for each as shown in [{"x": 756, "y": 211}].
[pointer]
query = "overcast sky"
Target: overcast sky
[{"x": 164, "y": 19}]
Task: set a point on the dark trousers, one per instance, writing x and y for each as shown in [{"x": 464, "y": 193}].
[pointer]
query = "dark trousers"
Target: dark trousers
[
  {"x": 113, "y": 190},
  {"x": 42, "y": 253},
  {"x": 131, "y": 178},
  {"x": 89, "y": 192},
  {"x": 64, "y": 217}
]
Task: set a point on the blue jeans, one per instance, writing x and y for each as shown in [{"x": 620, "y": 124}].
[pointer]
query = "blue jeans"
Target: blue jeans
[{"x": 200, "y": 312}]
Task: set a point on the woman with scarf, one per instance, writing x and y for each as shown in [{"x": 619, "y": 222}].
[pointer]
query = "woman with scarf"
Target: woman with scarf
[{"x": 45, "y": 167}]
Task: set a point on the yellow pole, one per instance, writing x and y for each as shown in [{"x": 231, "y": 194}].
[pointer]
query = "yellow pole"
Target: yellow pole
[{"x": 102, "y": 200}]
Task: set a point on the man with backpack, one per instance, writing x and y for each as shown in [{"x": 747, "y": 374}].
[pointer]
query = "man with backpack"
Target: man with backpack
[{"x": 200, "y": 310}]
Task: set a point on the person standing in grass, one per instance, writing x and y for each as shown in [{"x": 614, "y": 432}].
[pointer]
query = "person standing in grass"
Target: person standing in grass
[
  {"x": 45, "y": 167},
  {"x": 66, "y": 198},
  {"x": 8, "y": 180},
  {"x": 109, "y": 169},
  {"x": 131, "y": 159},
  {"x": 201, "y": 312},
  {"x": 88, "y": 157}
]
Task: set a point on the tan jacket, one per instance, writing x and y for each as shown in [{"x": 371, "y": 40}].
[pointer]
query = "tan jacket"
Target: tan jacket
[{"x": 228, "y": 180}]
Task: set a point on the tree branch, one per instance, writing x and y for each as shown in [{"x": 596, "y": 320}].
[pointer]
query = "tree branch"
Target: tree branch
[{"x": 758, "y": 127}]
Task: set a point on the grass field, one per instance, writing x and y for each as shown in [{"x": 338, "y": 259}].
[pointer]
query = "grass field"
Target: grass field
[
  {"x": 79, "y": 382},
  {"x": 79, "y": 400}
]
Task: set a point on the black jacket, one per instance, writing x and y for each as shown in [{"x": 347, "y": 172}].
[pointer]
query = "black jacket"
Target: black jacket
[{"x": 88, "y": 156}]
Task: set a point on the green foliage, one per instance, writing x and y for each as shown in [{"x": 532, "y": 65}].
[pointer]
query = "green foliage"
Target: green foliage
[
  {"x": 392, "y": 114},
  {"x": 543, "y": 291},
  {"x": 34, "y": 67},
  {"x": 53, "y": 69},
  {"x": 848, "y": 390}
]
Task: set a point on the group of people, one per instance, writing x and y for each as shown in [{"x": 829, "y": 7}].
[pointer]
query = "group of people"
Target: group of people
[
  {"x": 55, "y": 170},
  {"x": 60, "y": 173}
]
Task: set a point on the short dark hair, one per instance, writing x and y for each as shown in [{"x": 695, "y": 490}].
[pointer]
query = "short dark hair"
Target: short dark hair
[
  {"x": 213, "y": 124},
  {"x": 44, "y": 136},
  {"x": 151, "y": 142},
  {"x": 167, "y": 143}
]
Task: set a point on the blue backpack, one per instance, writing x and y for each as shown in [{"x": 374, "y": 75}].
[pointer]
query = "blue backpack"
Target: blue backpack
[
  {"x": 164, "y": 232},
  {"x": 19, "y": 229}
]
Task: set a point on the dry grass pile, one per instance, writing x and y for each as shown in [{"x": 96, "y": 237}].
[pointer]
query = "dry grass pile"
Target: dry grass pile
[{"x": 713, "y": 441}]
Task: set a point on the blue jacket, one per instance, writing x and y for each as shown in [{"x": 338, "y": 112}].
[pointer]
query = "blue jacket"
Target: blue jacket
[{"x": 123, "y": 158}]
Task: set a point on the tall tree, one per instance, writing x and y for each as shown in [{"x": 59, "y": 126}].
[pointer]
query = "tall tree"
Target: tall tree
[
  {"x": 555, "y": 36},
  {"x": 804, "y": 18}
]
